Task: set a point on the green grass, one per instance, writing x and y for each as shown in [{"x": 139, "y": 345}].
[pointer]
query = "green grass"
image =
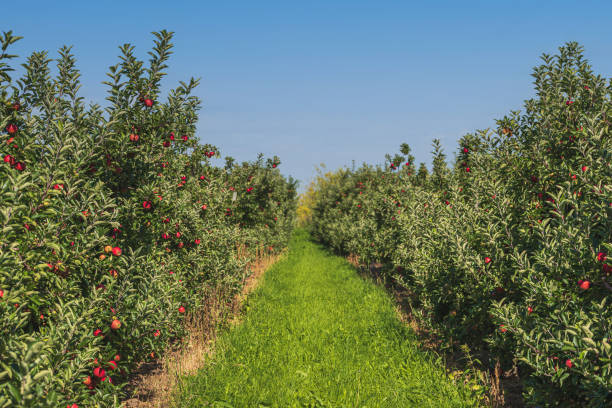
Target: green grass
[{"x": 315, "y": 334}]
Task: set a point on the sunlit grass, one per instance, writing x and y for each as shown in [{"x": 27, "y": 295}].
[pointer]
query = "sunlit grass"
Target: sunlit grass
[{"x": 317, "y": 335}]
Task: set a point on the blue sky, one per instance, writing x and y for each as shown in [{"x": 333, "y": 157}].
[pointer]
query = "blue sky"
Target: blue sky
[{"x": 328, "y": 81}]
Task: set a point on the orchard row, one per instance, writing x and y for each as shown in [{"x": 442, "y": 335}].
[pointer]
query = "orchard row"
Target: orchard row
[
  {"x": 508, "y": 250},
  {"x": 115, "y": 225}
]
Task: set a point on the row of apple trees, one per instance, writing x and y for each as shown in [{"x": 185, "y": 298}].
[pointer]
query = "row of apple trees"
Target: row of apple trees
[
  {"x": 115, "y": 224},
  {"x": 510, "y": 248}
]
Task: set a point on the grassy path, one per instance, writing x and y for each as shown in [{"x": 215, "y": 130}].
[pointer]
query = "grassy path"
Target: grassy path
[{"x": 315, "y": 334}]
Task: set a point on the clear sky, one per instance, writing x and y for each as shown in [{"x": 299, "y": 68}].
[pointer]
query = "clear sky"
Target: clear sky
[{"x": 328, "y": 81}]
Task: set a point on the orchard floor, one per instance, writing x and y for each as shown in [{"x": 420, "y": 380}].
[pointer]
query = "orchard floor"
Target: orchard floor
[{"x": 315, "y": 334}]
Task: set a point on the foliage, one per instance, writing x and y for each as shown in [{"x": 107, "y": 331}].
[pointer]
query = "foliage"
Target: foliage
[
  {"x": 510, "y": 248},
  {"x": 307, "y": 199},
  {"x": 114, "y": 223}
]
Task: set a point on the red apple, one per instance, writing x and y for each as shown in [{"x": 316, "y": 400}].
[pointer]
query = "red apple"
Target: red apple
[
  {"x": 487, "y": 260},
  {"x": 115, "y": 324},
  {"x": 134, "y": 137},
  {"x": 112, "y": 365},
  {"x": 11, "y": 129},
  {"x": 97, "y": 332},
  {"x": 99, "y": 372},
  {"x": 584, "y": 284},
  {"x": 148, "y": 102},
  {"x": 568, "y": 363},
  {"x": 181, "y": 309},
  {"x": 116, "y": 251}
]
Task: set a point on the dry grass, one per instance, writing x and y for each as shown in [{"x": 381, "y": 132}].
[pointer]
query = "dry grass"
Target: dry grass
[{"x": 154, "y": 382}]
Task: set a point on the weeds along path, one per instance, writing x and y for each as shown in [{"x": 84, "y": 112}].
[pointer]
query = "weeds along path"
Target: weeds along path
[{"x": 315, "y": 334}]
